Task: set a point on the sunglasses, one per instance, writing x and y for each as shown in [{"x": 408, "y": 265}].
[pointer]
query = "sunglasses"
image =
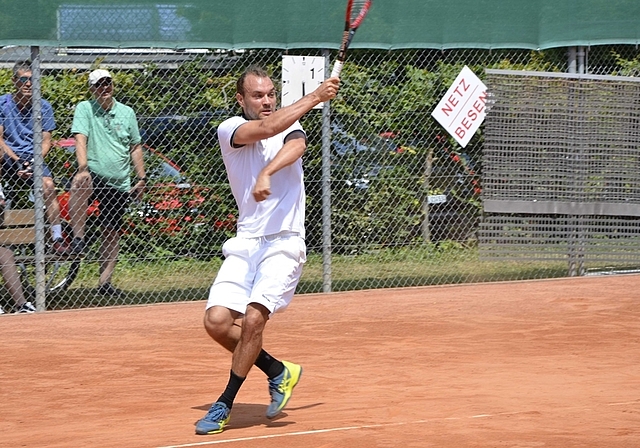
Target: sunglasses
[
  {"x": 24, "y": 79},
  {"x": 103, "y": 83}
]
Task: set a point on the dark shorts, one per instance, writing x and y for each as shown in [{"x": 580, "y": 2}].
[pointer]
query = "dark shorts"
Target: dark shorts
[
  {"x": 113, "y": 203},
  {"x": 17, "y": 189}
]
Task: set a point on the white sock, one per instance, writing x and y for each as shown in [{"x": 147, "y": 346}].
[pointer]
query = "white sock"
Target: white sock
[{"x": 56, "y": 231}]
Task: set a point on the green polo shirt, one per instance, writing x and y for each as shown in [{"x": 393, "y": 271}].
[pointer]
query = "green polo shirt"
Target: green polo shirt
[{"x": 110, "y": 136}]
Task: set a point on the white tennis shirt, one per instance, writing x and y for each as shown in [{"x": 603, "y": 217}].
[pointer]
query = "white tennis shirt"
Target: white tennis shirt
[{"x": 284, "y": 209}]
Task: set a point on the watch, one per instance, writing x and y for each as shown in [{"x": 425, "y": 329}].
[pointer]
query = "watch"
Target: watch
[
  {"x": 143, "y": 179},
  {"x": 301, "y": 75}
]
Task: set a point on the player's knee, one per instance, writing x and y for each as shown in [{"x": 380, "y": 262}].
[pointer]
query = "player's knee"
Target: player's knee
[
  {"x": 217, "y": 323},
  {"x": 255, "y": 319}
]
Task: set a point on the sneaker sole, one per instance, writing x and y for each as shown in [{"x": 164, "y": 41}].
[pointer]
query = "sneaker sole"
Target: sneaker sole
[{"x": 294, "y": 382}]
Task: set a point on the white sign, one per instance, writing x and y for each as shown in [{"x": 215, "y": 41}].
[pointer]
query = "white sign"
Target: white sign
[
  {"x": 301, "y": 75},
  {"x": 436, "y": 199},
  {"x": 462, "y": 109}
]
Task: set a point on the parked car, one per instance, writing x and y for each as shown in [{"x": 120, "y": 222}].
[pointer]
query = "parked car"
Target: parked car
[
  {"x": 454, "y": 183},
  {"x": 156, "y": 131},
  {"x": 344, "y": 144}
]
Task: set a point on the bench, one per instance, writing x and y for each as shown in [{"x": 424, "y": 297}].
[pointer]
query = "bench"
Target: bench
[
  {"x": 18, "y": 227},
  {"x": 17, "y": 231}
]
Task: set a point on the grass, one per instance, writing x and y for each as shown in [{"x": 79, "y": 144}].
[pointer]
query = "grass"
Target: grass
[
  {"x": 186, "y": 279},
  {"x": 189, "y": 279}
]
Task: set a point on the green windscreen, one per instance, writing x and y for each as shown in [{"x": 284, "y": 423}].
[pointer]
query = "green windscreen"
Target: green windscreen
[{"x": 391, "y": 24}]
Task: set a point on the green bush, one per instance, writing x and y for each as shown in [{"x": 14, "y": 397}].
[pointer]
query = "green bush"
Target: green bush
[{"x": 396, "y": 96}]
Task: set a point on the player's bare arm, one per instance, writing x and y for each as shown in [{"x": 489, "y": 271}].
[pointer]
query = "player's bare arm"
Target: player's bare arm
[
  {"x": 281, "y": 119},
  {"x": 292, "y": 150}
]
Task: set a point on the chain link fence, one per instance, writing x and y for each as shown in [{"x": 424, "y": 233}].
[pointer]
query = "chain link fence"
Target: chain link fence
[
  {"x": 560, "y": 173},
  {"x": 405, "y": 199}
]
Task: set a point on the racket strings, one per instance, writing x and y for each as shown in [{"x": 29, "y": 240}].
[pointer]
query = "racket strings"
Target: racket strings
[{"x": 359, "y": 9}]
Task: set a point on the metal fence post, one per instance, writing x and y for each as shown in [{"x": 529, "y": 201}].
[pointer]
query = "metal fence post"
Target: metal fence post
[
  {"x": 38, "y": 161},
  {"x": 582, "y": 58},
  {"x": 326, "y": 186},
  {"x": 571, "y": 60}
]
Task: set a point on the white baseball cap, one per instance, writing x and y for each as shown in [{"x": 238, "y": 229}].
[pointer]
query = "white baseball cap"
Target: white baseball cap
[{"x": 97, "y": 75}]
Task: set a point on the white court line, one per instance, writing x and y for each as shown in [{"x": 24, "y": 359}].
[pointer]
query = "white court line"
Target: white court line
[
  {"x": 299, "y": 433},
  {"x": 624, "y": 403},
  {"x": 320, "y": 431},
  {"x": 351, "y": 428}
]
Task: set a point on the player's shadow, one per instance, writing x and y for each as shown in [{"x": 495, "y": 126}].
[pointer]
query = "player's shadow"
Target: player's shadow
[{"x": 246, "y": 415}]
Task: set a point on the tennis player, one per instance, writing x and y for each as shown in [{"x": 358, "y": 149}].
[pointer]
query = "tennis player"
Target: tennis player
[{"x": 262, "y": 151}]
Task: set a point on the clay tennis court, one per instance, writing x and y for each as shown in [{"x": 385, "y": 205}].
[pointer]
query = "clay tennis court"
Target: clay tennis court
[{"x": 552, "y": 363}]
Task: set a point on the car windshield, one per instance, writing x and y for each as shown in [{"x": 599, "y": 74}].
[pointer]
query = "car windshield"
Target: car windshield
[
  {"x": 345, "y": 144},
  {"x": 159, "y": 169},
  {"x": 171, "y": 171}
]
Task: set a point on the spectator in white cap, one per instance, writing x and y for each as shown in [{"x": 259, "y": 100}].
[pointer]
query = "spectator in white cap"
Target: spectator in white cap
[
  {"x": 108, "y": 144},
  {"x": 98, "y": 75}
]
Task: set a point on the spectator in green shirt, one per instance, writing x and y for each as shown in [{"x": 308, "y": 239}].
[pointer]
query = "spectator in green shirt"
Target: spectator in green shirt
[{"x": 108, "y": 143}]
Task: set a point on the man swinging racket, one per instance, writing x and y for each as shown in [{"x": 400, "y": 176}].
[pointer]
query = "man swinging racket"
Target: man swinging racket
[{"x": 262, "y": 152}]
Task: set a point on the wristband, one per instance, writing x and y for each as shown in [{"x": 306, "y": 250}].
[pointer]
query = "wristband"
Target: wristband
[{"x": 143, "y": 179}]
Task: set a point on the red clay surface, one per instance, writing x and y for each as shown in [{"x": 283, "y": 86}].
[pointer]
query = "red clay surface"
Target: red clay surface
[{"x": 524, "y": 364}]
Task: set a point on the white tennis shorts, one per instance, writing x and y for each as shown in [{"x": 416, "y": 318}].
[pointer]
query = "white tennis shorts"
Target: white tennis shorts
[{"x": 263, "y": 270}]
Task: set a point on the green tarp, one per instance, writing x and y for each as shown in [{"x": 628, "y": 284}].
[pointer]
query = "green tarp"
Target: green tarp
[{"x": 392, "y": 24}]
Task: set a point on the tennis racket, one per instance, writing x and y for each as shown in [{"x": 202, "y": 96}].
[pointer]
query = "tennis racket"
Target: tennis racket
[{"x": 356, "y": 12}]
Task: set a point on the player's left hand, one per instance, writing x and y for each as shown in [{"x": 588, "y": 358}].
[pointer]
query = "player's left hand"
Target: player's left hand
[{"x": 262, "y": 188}]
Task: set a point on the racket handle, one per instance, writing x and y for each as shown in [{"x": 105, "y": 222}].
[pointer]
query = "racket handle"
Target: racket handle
[{"x": 337, "y": 68}]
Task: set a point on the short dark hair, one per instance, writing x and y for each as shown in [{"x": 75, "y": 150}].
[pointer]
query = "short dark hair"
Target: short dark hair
[
  {"x": 21, "y": 66},
  {"x": 254, "y": 70}
]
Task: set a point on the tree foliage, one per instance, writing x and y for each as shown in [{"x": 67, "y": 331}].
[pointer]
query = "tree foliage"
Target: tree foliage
[{"x": 381, "y": 94}]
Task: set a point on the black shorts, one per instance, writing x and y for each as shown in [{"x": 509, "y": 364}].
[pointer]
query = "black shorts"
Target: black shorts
[
  {"x": 113, "y": 203},
  {"x": 14, "y": 183}
]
